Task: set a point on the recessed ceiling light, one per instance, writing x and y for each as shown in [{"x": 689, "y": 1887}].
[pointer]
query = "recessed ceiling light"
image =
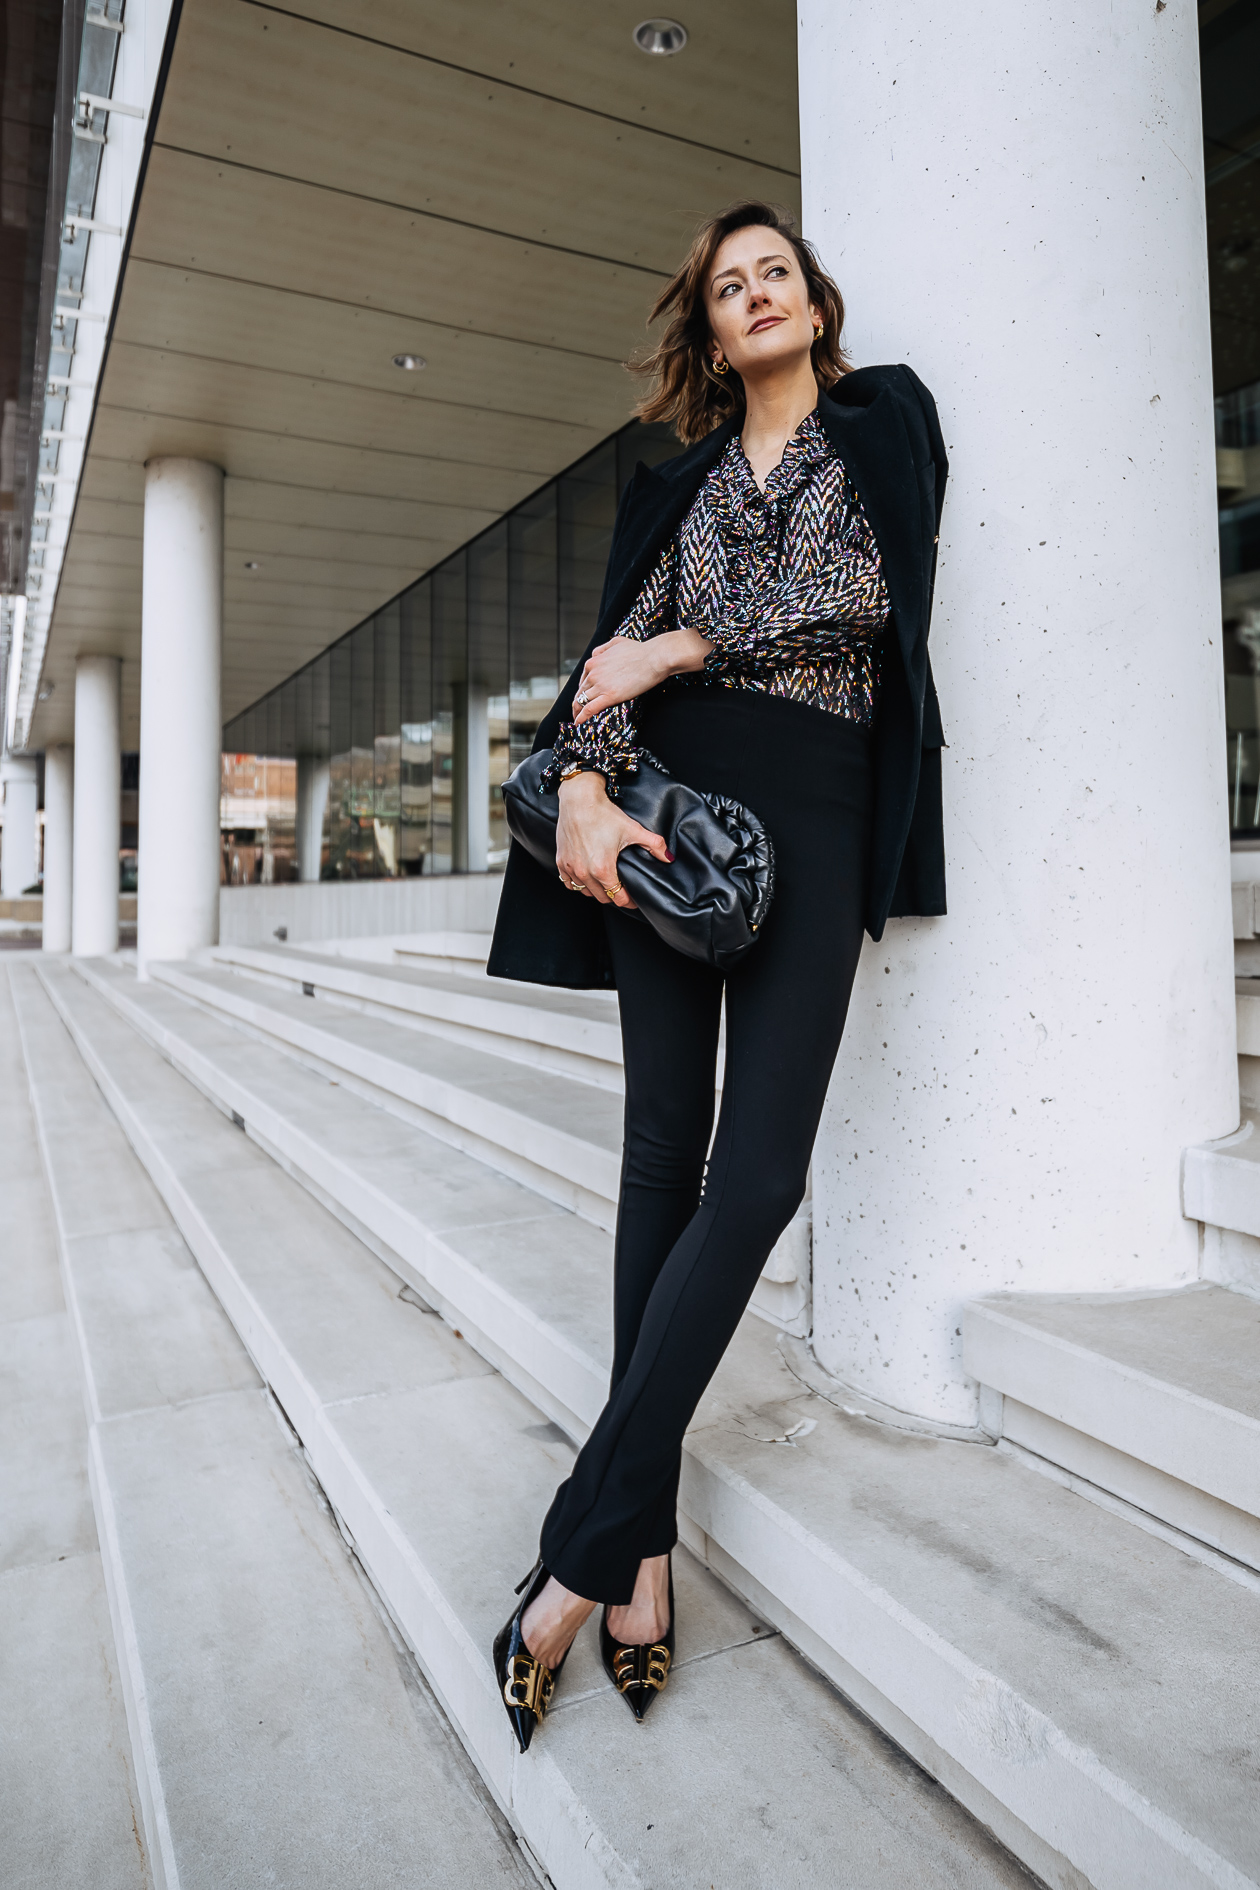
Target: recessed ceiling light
[
  {"x": 660, "y": 36},
  {"x": 252, "y": 564},
  {"x": 409, "y": 361}
]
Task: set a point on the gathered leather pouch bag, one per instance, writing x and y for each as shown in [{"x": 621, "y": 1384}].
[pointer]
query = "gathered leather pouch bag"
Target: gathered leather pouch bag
[{"x": 711, "y": 902}]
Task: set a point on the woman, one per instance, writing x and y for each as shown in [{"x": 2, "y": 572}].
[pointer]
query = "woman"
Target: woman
[{"x": 763, "y": 633}]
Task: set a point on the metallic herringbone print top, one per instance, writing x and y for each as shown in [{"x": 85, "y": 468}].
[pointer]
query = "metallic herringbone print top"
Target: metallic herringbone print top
[{"x": 787, "y": 586}]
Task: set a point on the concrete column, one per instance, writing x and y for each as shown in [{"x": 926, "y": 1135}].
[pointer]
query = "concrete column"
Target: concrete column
[
  {"x": 1012, "y": 201},
  {"x": 58, "y": 847},
  {"x": 177, "y": 907},
  {"x": 312, "y": 804},
  {"x": 18, "y": 856},
  {"x": 470, "y": 813},
  {"x": 97, "y": 791}
]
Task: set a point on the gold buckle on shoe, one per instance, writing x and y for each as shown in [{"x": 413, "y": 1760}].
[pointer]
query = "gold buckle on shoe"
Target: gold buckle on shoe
[
  {"x": 528, "y": 1685},
  {"x": 657, "y": 1666},
  {"x": 641, "y": 1667}
]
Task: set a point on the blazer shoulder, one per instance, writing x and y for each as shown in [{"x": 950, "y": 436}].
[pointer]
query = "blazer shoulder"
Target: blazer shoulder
[{"x": 916, "y": 391}]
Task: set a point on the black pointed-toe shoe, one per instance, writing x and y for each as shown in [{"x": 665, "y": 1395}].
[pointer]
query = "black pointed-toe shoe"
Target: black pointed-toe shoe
[
  {"x": 639, "y": 1673},
  {"x": 525, "y": 1684}
]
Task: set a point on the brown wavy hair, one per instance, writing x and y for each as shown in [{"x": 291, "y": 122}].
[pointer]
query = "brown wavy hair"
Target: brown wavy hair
[{"x": 686, "y": 392}]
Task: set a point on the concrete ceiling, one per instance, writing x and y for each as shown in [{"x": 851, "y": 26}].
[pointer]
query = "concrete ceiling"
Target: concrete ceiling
[{"x": 500, "y": 188}]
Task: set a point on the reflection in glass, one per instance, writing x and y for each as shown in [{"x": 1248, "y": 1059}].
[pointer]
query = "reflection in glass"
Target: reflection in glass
[
  {"x": 397, "y": 739},
  {"x": 1238, "y": 491}
]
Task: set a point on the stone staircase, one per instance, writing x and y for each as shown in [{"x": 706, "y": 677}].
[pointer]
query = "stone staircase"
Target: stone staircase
[{"x": 1055, "y": 1617}]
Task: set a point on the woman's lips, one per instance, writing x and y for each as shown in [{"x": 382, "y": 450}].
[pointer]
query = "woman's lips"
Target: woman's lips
[{"x": 771, "y": 321}]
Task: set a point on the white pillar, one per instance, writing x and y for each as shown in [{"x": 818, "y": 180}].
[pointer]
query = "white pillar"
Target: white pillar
[
  {"x": 312, "y": 802},
  {"x": 1011, "y": 199},
  {"x": 177, "y": 907},
  {"x": 58, "y": 847},
  {"x": 18, "y": 856},
  {"x": 97, "y": 792},
  {"x": 470, "y": 814}
]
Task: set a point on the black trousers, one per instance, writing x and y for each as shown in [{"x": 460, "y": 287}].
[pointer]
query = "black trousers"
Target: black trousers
[{"x": 692, "y": 1242}]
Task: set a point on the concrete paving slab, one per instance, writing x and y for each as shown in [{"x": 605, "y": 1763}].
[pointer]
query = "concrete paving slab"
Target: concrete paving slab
[
  {"x": 288, "y": 1745},
  {"x": 73, "y": 1815},
  {"x": 65, "y": 1769},
  {"x": 148, "y": 1279},
  {"x": 45, "y": 1505}
]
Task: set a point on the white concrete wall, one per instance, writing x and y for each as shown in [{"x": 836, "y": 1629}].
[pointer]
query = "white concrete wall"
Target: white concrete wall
[
  {"x": 249, "y": 915},
  {"x": 18, "y": 855},
  {"x": 1011, "y": 199}
]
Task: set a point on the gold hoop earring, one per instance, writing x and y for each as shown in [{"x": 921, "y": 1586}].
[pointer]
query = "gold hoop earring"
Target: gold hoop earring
[
  {"x": 818, "y": 332},
  {"x": 721, "y": 367}
]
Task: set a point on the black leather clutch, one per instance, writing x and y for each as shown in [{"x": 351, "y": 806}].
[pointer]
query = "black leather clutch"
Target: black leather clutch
[{"x": 711, "y": 902}]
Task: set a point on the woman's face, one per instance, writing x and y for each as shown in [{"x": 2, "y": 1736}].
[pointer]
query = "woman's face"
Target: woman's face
[{"x": 759, "y": 308}]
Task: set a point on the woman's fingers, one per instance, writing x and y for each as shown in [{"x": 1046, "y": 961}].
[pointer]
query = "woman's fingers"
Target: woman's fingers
[{"x": 654, "y": 842}]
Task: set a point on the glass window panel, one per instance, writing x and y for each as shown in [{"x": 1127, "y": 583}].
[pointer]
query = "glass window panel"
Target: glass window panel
[
  {"x": 450, "y": 675},
  {"x": 588, "y": 507},
  {"x": 415, "y": 671},
  {"x": 387, "y": 743},
  {"x": 340, "y": 864},
  {"x": 303, "y": 743},
  {"x": 362, "y": 854},
  {"x": 488, "y": 670},
  {"x": 1237, "y": 472},
  {"x": 288, "y": 698},
  {"x": 533, "y": 595},
  {"x": 339, "y": 697},
  {"x": 320, "y": 672}
]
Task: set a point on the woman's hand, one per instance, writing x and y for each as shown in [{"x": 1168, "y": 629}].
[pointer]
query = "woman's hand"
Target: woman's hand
[
  {"x": 623, "y": 668},
  {"x": 590, "y": 834}
]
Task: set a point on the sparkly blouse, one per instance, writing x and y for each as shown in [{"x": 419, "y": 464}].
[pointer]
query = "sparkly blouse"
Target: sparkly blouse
[{"x": 786, "y": 585}]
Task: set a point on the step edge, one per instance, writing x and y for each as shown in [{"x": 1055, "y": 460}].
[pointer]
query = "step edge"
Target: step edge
[
  {"x": 1027, "y": 1364},
  {"x": 552, "y": 1027},
  {"x": 578, "y": 1372},
  {"x": 776, "y": 1560},
  {"x": 571, "y": 1158}
]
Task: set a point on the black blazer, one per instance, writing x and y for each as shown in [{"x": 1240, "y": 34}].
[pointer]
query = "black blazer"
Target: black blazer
[{"x": 882, "y": 422}]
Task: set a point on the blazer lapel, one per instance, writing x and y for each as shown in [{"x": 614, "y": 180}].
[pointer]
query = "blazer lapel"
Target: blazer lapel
[
  {"x": 657, "y": 505},
  {"x": 873, "y": 443}
]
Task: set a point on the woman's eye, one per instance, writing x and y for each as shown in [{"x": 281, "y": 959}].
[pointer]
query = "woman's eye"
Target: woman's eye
[
  {"x": 778, "y": 270},
  {"x": 728, "y": 288}
]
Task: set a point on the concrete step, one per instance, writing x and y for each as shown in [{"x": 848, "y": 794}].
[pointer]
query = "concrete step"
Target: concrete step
[
  {"x": 573, "y": 1032},
  {"x": 464, "y": 952},
  {"x": 1154, "y": 1397},
  {"x": 751, "y": 1773},
  {"x": 278, "y": 1733},
  {"x": 65, "y": 1761},
  {"x": 1089, "y": 1690},
  {"x": 559, "y": 1135},
  {"x": 1220, "y": 1181}
]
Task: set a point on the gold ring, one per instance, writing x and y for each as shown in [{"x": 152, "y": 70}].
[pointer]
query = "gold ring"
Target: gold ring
[{"x": 614, "y": 889}]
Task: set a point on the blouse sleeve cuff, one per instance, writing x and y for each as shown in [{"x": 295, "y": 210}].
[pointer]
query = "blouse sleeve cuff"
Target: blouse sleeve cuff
[
  {"x": 734, "y": 647},
  {"x": 592, "y": 752}
]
